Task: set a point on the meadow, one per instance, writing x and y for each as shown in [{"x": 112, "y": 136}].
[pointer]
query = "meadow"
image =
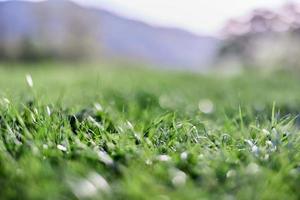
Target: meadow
[{"x": 105, "y": 132}]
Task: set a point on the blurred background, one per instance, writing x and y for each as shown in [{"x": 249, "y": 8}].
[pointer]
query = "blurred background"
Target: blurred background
[{"x": 187, "y": 35}]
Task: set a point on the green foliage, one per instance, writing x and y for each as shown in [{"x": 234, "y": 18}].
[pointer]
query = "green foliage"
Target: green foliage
[{"x": 107, "y": 133}]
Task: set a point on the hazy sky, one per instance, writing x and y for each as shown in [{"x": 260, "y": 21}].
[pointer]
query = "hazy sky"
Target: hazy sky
[{"x": 201, "y": 16}]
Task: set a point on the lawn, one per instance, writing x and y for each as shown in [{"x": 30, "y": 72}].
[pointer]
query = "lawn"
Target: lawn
[{"x": 106, "y": 132}]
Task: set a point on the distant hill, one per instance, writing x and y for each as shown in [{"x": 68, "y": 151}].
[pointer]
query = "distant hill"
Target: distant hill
[{"x": 63, "y": 29}]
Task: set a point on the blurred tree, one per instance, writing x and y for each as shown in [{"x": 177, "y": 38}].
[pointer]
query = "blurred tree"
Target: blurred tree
[{"x": 264, "y": 38}]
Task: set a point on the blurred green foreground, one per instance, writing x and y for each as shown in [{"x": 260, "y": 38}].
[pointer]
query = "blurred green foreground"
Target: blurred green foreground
[{"x": 100, "y": 132}]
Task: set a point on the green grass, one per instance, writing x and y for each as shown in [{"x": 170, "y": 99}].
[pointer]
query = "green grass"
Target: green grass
[{"x": 100, "y": 132}]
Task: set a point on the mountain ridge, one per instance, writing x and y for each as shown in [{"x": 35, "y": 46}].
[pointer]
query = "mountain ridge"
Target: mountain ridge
[{"x": 105, "y": 34}]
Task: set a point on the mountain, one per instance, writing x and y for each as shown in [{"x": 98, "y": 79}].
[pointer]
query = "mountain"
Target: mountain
[{"x": 63, "y": 29}]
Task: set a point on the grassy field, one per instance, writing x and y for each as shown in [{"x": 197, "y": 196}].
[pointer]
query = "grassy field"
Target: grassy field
[{"x": 98, "y": 132}]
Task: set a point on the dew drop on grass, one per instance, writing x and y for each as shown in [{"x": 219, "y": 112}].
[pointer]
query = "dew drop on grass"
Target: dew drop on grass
[
  {"x": 105, "y": 158},
  {"x": 29, "y": 80},
  {"x": 178, "y": 178},
  {"x": 6, "y": 101},
  {"x": 84, "y": 189},
  {"x": 99, "y": 182},
  {"x": 129, "y": 125},
  {"x": 33, "y": 117},
  {"x": 267, "y": 157},
  {"x": 183, "y": 155},
  {"x": 90, "y": 187},
  {"x": 271, "y": 146},
  {"x": 164, "y": 101},
  {"x": 266, "y": 132},
  {"x": 148, "y": 162},
  {"x": 201, "y": 156},
  {"x": 249, "y": 142},
  {"x": 252, "y": 168},
  {"x": 34, "y": 150},
  {"x": 91, "y": 119},
  {"x": 98, "y": 107},
  {"x": 48, "y": 110},
  {"x": 254, "y": 148},
  {"x": 61, "y": 147},
  {"x": 206, "y": 106},
  {"x": 231, "y": 173},
  {"x": 163, "y": 158}
]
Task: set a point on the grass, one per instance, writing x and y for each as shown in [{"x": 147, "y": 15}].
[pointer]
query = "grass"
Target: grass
[{"x": 99, "y": 132}]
